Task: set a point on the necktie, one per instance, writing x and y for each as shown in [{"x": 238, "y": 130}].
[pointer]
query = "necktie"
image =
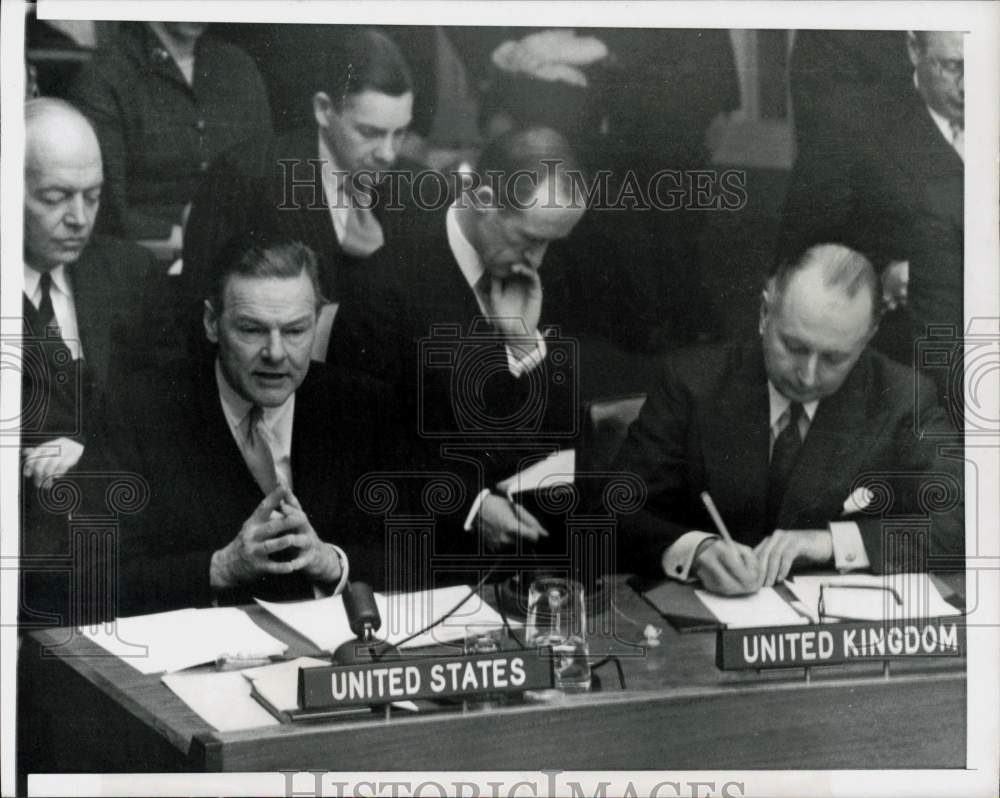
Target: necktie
[
  {"x": 786, "y": 449},
  {"x": 958, "y": 138},
  {"x": 46, "y": 315},
  {"x": 362, "y": 233},
  {"x": 259, "y": 450}
]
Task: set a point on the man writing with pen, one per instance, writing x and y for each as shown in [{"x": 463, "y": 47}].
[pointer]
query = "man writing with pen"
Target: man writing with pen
[{"x": 811, "y": 446}]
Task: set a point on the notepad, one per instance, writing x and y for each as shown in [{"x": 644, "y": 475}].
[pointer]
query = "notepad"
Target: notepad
[
  {"x": 170, "y": 641},
  {"x": 221, "y": 699},
  {"x": 873, "y": 597},
  {"x": 763, "y": 608},
  {"x": 324, "y": 621}
]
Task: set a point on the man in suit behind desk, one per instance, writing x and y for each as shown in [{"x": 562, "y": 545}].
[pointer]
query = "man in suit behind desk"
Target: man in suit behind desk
[
  {"x": 250, "y": 457},
  {"x": 85, "y": 323},
  {"x": 785, "y": 436},
  {"x": 309, "y": 184},
  {"x": 453, "y": 321}
]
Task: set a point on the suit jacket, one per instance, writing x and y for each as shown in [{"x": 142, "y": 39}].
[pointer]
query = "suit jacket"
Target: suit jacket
[
  {"x": 171, "y": 431},
  {"x": 417, "y": 325},
  {"x": 111, "y": 281},
  {"x": 158, "y": 132},
  {"x": 117, "y": 297},
  {"x": 705, "y": 426}
]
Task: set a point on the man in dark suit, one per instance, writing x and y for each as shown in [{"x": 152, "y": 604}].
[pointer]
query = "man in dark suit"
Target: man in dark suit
[
  {"x": 810, "y": 445},
  {"x": 454, "y": 322},
  {"x": 85, "y": 322},
  {"x": 901, "y": 198},
  {"x": 312, "y": 184},
  {"x": 250, "y": 457}
]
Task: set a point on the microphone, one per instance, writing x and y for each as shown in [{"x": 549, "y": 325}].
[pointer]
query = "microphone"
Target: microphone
[{"x": 365, "y": 620}]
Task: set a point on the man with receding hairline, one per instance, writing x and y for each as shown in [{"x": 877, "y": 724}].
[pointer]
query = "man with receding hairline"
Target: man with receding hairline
[
  {"x": 85, "y": 321},
  {"x": 789, "y": 437}
]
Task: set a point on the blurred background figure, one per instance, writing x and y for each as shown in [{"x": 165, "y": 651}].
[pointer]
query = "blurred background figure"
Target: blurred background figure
[{"x": 166, "y": 97}]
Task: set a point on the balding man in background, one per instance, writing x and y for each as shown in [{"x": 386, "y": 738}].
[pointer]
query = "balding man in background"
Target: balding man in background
[
  {"x": 84, "y": 320},
  {"x": 789, "y": 437}
]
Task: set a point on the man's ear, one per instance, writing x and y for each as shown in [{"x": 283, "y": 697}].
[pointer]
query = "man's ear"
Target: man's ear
[
  {"x": 765, "y": 302},
  {"x": 483, "y": 197},
  {"x": 211, "y": 321},
  {"x": 322, "y": 108}
]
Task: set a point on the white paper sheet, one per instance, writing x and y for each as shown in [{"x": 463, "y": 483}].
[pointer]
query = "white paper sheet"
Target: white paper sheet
[
  {"x": 221, "y": 699},
  {"x": 324, "y": 621},
  {"x": 558, "y": 468},
  {"x": 763, "y": 608},
  {"x": 171, "y": 641},
  {"x": 920, "y": 596}
]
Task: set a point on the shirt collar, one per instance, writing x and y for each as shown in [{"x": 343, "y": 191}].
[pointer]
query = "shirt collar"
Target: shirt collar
[
  {"x": 779, "y": 404},
  {"x": 465, "y": 254},
  {"x": 59, "y": 280},
  {"x": 330, "y": 171},
  {"x": 235, "y": 407}
]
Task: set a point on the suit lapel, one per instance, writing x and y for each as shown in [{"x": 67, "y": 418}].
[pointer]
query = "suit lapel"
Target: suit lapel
[
  {"x": 831, "y": 454},
  {"x": 736, "y": 438},
  {"x": 93, "y": 299}
]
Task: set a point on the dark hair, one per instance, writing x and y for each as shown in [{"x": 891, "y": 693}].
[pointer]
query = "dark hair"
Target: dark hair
[
  {"x": 539, "y": 152},
  {"x": 840, "y": 266},
  {"x": 259, "y": 256},
  {"x": 365, "y": 59}
]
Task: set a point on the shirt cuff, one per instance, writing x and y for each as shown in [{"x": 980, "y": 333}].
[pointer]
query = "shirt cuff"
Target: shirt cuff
[
  {"x": 848, "y": 548},
  {"x": 345, "y": 569},
  {"x": 526, "y": 363},
  {"x": 474, "y": 511},
  {"x": 679, "y": 557}
]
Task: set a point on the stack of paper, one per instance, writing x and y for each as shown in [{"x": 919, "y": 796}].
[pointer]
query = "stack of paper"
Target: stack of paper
[
  {"x": 170, "y": 641},
  {"x": 872, "y": 597},
  {"x": 324, "y": 621},
  {"x": 763, "y": 608}
]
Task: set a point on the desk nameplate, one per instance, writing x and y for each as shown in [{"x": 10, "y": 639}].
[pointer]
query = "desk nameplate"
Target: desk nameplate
[
  {"x": 396, "y": 679},
  {"x": 837, "y": 643}
]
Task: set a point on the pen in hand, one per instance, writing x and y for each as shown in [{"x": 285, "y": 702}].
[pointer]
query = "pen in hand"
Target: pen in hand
[{"x": 720, "y": 525}]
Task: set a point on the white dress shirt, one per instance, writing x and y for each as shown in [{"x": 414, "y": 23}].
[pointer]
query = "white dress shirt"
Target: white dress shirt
[
  {"x": 277, "y": 419},
  {"x": 848, "y": 547},
  {"x": 63, "y": 306},
  {"x": 336, "y": 193}
]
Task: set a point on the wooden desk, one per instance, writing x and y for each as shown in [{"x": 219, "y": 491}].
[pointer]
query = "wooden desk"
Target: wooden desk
[{"x": 679, "y": 712}]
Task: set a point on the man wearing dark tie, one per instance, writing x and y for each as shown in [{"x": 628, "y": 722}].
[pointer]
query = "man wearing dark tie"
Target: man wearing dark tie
[
  {"x": 85, "y": 322},
  {"x": 816, "y": 450},
  {"x": 313, "y": 184},
  {"x": 454, "y": 321},
  {"x": 250, "y": 456}
]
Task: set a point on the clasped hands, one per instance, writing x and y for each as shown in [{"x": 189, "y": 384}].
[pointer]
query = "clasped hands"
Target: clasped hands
[
  {"x": 277, "y": 524},
  {"x": 735, "y": 569}
]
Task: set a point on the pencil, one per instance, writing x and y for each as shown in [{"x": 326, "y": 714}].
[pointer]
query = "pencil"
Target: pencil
[{"x": 720, "y": 525}]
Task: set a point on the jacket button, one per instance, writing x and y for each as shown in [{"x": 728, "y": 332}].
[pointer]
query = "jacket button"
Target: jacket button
[
  {"x": 200, "y": 124},
  {"x": 203, "y": 166}
]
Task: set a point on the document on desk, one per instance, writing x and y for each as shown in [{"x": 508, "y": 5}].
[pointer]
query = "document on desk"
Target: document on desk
[
  {"x": 763, "y": 608},
  {"x": 220, "y": 698},
  {"x": 171, "y": 641},
  {"x": 324, "y": 621},
  {"x": 558, "y": 468},
  {"x": 872, "y": 597}
]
